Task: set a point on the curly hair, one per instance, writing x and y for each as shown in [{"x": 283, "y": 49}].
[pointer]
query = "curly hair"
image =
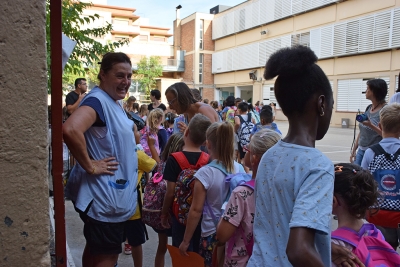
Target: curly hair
[{"x": 357, "y": 187}]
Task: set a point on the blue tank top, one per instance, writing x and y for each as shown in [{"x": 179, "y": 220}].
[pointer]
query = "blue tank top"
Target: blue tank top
[{"x": 111, "y": 201}]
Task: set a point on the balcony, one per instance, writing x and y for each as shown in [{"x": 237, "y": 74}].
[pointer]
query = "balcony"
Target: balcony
[{"x": 125, "y": 29}]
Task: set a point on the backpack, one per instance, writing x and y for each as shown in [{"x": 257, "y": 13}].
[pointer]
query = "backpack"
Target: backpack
[
  {"x": 184, "y": 187},
  {"x": 230, "y": 115},
  {"x": 153, "y": 199},
  {"x": 245, "y": 129},
  {"x": 140, "y": 123},
  {"x": 234, "y": 181},
  {"x": 145, "y": 145},
  {"x": 369, "y": 246},
  {"x": 248, "y": 242},
  {"x": 385, "y": 168}
]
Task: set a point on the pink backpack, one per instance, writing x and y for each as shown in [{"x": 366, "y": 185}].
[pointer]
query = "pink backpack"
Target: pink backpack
[
  {"x": 369, "y": 246},
  {"x": 145, "y": 145},
  {"x": 153, "y": 199}
]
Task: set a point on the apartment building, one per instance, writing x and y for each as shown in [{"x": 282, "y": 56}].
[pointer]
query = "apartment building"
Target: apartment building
[
  {"x": 355, "y": 40},
  {"x": 144, "y": 40},
  {"x": 193, "y": 39}
]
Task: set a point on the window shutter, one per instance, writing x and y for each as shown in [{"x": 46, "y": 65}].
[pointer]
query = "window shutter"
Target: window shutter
[
  {"x": 382, "y": 30},
  {"x": 266, "y": 93},
  {"x": 396, "y": 28},
  {"x": 315, "y": 41},
  {"x": 366, "y": 35}
]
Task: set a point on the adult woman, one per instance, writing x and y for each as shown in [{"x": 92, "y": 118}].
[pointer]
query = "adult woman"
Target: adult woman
[
  {"x": 102, "y": 184},
  {"x": 155, "y": 97},
  {"x": 181, "y": 100},
  {"x": 369, "y": 133}
]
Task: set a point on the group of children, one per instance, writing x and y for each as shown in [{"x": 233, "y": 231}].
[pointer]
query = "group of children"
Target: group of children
[{"x": 280, "y": 215}]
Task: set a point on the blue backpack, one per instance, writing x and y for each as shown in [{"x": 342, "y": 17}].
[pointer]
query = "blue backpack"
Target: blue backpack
[{"x": 385, "y": 168}]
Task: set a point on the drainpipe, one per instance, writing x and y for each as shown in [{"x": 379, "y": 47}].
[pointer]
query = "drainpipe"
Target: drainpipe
[{"x": 56, "y": 124}]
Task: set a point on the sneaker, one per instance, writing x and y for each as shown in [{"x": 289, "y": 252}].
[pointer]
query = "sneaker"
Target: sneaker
[{"x": 128, "y": 249}]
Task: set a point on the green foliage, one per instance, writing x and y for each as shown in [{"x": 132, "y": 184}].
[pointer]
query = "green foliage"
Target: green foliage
[
  {"x": 88, "y": 50},
  {"x": 148, "y": 69}
]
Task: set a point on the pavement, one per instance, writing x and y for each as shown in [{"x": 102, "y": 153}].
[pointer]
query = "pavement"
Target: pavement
[{"x": 335, "y": 145}]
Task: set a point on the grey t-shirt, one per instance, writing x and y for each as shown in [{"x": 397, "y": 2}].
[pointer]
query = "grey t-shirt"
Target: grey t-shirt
[{"x": 368, "y": 136}]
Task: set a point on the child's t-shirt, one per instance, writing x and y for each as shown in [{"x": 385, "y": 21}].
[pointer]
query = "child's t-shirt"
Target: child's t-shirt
[
  {"x": 145, "y": 164},
  {"x": 294, "y": 188},
  {"x": 213, "y": 181},
  {"x": 240, "y": 212},
  {"x": 172, "y": 168},
  {"x": 257, "y": 127}
]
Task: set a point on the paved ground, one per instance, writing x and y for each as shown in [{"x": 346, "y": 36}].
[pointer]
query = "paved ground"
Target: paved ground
[{"x": 336, "y": 145}]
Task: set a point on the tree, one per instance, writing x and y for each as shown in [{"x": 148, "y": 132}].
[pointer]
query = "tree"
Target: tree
[
  {"x": 74, "y": 25},
  {"x": 148, "y": 69}
]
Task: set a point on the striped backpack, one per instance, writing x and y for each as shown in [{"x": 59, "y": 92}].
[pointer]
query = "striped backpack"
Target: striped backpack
[{"x": 369, "y": 246}]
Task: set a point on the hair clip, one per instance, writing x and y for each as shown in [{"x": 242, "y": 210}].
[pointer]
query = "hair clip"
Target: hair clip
[
  {"x": 354, "y": 171},
  {"x": 99, "y": 62},
  {"x": 338, "y": 168}
]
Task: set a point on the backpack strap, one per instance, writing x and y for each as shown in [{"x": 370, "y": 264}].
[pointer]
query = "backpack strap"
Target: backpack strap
[
  {"x": 352, "y": 237},
  {"x": 378, "y": 150},
  {"x": 249, "y": 117},
  {"x": 250, "y": 183},
  {"x": 182, "y": 160},
  {"x": 203, "y": 160},
  {"x": 218, "y": 166},
  {"x": 240, "y": 118},
  {"x": 368, "y": 107}
]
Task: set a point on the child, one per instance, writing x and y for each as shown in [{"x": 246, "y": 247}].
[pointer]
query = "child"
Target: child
[
  {"x": 244, "y": 124},
  {"x": 169, "y": 123},
  {"x": 194, "y": 137},
  {"x": 143, "y": 112},
  {"x": 266, "y": 121},
  {"x": 210, "y": 190},
  {"x": 175, "y": 143},
  {"x": 355, "y": 191},
  {"x": 156, "y": 117},
  {"x": 383, "y": 161},
  {"x": 294, "y": 183},
  {"x": 135, "y": 230},
  {"x": 237, "y": 220}
]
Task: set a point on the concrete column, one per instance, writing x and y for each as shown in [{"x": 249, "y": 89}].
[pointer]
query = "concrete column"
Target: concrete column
[
  {"x": 237, "y": 92},
  {"x": 24, "y": 194},
  {"x": 217, "y": 94}
]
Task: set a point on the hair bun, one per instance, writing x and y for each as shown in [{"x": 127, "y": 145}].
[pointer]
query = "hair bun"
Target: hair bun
[{"x": 290, "y": 60}]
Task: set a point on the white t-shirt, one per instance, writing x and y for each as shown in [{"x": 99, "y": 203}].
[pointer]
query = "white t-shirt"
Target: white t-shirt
[{"x": 213, "y": 181}]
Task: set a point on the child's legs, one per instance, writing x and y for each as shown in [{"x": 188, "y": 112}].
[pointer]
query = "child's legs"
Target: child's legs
[
  {"x": 391, "y": 235},
  {"x": 178, "y": 232},
  {"x": 161, "y": 249},
  {"x": 136, "y": 234},
  {"x": 207, "y": 245}
]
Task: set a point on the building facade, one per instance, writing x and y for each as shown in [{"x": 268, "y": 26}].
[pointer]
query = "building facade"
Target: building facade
[
  {"x": 355, "y": 40},
  {"x": 144, "y": 40},
  {"x": 193, "y": 36}
]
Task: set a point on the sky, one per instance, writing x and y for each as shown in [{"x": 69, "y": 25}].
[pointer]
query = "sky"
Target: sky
[{"x": 162, "y": 12}]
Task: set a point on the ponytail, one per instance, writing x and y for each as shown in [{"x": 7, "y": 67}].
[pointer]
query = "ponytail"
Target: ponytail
[{"x": 221, "y": 138}]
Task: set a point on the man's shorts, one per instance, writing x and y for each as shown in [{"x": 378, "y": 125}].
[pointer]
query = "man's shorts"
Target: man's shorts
[
  {"x": 135, "y": 231},
  {"x": 103, "y": 237}
]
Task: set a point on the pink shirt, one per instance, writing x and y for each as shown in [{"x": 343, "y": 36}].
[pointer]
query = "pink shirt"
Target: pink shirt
[{"x": 239, "y": 211}]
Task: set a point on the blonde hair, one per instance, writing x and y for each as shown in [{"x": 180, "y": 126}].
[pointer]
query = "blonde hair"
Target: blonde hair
[
  {"x": 263, "y": 140},
  {"x": 390, "y": 118},
  {"x": 220, "y": 136},
  {"x": 155, "y": 118}
]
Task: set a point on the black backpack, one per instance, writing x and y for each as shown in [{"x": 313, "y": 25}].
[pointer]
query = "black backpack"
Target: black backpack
[{"x": 140, "y": 123}]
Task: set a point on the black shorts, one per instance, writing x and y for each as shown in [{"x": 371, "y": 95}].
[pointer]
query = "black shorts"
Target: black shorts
[
  {"x": 135, "y": 231},
  {"x": 103, "y": 237}
]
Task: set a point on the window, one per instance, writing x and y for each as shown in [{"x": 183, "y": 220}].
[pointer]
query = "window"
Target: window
[
  {"x": 201, "y": 60},
  {"x": 301, "y": 39},
  {"x": 120, "y": 21},
  {"x": 201, "y": 34},
  {"x": 350, "y": 95},
  {"x": 143, "y": 38}
]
